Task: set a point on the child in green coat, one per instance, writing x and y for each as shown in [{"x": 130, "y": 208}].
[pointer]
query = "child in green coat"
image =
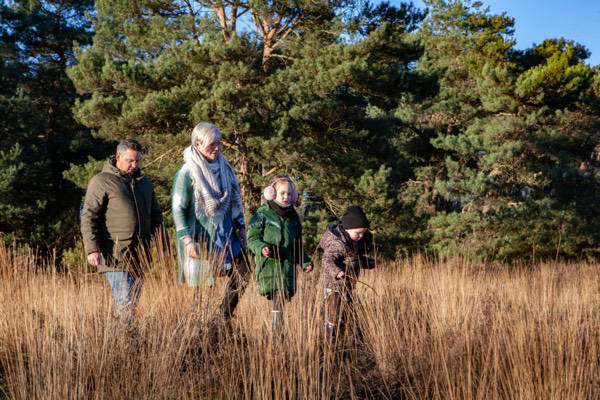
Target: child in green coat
[{"x": 275, "y": 239}]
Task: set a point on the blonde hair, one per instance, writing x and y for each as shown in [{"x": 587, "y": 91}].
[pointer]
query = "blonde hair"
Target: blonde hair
[{"x": 280, "y": 179}]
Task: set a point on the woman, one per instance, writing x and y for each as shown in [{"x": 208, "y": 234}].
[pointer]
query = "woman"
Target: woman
[{"x": 207, "y": 211}]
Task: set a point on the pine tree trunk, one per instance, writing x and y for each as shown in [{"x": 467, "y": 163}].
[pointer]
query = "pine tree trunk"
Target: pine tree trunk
[{"x": 246, "y": 187}]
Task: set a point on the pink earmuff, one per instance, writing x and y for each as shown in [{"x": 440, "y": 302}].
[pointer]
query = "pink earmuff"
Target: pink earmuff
[{"x": 269, "y": 193}]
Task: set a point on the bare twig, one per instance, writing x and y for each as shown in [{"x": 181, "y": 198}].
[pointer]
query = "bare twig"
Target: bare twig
[{"x": 161, "y": 156}]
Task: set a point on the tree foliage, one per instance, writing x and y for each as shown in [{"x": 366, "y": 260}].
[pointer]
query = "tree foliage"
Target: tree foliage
[
  {"x": 511, "y": 135},
  {"x": 39, "y": 135},
  {"x": 295, "y": 91},
  {"x": 451, "y": 138}
]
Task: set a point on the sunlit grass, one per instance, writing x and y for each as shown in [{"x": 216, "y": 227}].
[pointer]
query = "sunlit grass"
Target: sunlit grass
[{"x": 428, "y": 330}]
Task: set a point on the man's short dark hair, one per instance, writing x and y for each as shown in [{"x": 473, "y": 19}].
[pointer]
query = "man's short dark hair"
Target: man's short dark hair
[{"x": 128, "y": 144}]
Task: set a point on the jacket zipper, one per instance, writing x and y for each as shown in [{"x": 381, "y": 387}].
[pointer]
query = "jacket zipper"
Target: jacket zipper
[{"x": 137, "y": 210}]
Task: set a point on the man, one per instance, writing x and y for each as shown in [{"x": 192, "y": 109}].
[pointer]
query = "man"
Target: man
[{"x": 120, "y": 214}]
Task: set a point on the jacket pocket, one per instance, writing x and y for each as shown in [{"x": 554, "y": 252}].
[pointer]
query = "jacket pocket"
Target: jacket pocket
[
  {"x": 260, "y": 263},
  {"x": 121, "y": 245},
  {"x": 271, "y": 276}
]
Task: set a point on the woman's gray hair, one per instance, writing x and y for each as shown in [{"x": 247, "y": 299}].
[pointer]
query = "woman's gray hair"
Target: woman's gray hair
[{"x": 205, "y": 133}]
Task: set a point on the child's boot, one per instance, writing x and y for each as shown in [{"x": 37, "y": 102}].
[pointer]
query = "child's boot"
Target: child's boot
[
  {"x": 277, "y": 320},
  {"x": 330, "y": 332},
  {"x": 277, "y": 312}
]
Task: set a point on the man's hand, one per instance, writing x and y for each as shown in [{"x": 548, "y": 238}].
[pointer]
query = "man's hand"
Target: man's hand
[
  {"x": 308, "y": 268},
  {"x": 266, "y": 251},
  {"x": 340, "y": 275},
  {"x": 94, "y": 258}
]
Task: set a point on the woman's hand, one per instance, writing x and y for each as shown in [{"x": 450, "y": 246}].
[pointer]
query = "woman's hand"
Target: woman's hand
[
  {"x": 340, "y": 275},
  {"x": 242, "y": 236},
  {"x": 191, "y": 250},
  {"x": 266, "y": 251}
]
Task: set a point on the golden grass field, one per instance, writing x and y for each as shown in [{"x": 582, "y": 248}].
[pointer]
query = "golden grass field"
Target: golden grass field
[{"x": 430, "y": 330}]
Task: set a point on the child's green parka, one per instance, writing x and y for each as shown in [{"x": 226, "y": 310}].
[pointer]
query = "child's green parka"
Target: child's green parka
[{"x": 284, "y": 236}]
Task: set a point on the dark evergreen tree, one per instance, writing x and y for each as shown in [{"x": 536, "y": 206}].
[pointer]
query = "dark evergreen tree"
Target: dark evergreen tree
[
  {"x": 24, "y": 178},
  {"x": 450, "y": 138},
  {"x": 298, "y": 90},
  {"x": 508, "y": 134},
  {"x": 39, "y": 135}
]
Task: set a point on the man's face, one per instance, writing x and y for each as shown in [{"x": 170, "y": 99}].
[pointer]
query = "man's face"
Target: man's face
[{"x": 129, "y": 161}]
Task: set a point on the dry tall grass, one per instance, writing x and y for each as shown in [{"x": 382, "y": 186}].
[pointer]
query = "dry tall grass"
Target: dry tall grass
[{"x": 429, "y": 331}]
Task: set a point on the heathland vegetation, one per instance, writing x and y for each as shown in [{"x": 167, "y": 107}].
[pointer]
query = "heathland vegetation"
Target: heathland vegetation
[
  {"x": 477, "y": 163},
  {"x": 428, "y": 330}
]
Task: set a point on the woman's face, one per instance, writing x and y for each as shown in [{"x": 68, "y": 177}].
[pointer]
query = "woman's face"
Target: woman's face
[
  {"x": 210, "y": 151},
  {"x": 284, "y": 193}
]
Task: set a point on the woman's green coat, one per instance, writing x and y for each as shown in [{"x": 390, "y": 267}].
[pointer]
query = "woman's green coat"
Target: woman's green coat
[{"x": 284, "y": 237}]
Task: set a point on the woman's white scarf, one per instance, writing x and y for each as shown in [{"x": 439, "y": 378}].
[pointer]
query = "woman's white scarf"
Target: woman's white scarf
[{"x": 213, "y": 196}]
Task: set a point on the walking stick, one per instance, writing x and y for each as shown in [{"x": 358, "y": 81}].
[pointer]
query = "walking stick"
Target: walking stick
[{"x": 364, "y": 283}]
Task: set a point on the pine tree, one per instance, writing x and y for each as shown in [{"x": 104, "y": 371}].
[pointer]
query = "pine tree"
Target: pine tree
[
  {"x": 40, "y": 136},
  {"x": 24, "y": 180},
  {"x": 298, "y": 90},
  {"x": 508, "y": 132}
]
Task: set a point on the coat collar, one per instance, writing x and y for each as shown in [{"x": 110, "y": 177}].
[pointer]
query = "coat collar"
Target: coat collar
[
  {"x": 111, "y": 168},
  {"x": 267, "y": 210}
]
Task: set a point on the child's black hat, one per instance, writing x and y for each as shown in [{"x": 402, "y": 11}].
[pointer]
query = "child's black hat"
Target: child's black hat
[{"x": 354, "y": 217}]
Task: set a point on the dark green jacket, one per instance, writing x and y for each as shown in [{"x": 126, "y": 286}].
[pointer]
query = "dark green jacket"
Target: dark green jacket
[
  {"x": 120, "y": 212},
  {"x": 284, "y": 237}
]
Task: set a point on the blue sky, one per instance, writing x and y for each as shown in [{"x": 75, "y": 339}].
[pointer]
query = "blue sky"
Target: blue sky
[{"x": 536, "y": 20}]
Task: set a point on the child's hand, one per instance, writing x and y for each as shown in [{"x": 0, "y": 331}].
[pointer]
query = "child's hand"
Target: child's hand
[
  {"x": 309, "y": 268},
  {"x": 340, "y": 275},
  {"x": 266, "y": 251}
]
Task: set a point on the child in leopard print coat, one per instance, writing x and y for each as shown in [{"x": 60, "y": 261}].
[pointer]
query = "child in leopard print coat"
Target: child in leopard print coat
[{"x": 345, "y": 248}]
